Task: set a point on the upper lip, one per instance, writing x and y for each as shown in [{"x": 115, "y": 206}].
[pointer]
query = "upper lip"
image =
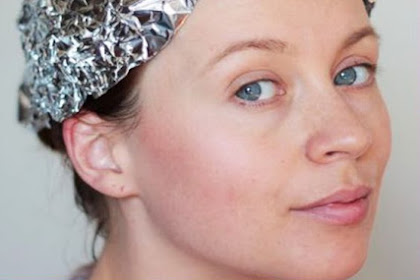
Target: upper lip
[{"x": 342, "y": 196}]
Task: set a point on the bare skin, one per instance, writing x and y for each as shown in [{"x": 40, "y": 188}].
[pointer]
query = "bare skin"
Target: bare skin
[{"x": 207, "y": 186}]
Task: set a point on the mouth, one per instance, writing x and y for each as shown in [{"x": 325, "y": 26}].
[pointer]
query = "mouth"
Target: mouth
[{"x": 345, "y": 207}]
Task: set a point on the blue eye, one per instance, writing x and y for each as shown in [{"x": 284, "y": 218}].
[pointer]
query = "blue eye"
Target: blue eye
[
  {"x": 257, "y": 91},
  {"x": 353, "y": 76}
]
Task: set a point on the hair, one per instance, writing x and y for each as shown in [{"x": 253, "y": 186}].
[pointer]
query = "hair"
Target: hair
[{"x": 118, "y": 106}]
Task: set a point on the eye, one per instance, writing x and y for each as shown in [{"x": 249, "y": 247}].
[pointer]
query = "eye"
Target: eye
[
  {"x": 257, "y": 91},
  {"x": 355, "y": 75}
]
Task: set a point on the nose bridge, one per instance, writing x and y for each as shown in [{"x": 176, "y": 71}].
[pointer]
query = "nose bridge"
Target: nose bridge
[{"x": 336, "y": 129}]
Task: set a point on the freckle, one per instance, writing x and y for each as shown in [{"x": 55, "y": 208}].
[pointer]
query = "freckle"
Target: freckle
[{"x": 122, "y": 188}]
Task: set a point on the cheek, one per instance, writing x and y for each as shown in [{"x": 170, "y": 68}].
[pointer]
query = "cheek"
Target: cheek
[
  {"x": 379, "y": 123},
  {"x": 384, "y": 133},
  {"x": 207, "y": 185},
  {"x": 202, "y": 167}
]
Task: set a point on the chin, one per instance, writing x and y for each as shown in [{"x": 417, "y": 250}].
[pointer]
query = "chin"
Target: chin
[
  {"x": 343, "y": 271},
  {"x": 323, "y": 261},
  {"x": 340, "y": 254},
  {"x": 350, "y": 266},
  {"x": 344, "y": 262},
  {"x": 335, "y": 270},
  {"x": 340, "y": 266}
]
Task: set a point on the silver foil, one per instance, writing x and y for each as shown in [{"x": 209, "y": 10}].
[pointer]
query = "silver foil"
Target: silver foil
[{"x": 77, "y": 48}]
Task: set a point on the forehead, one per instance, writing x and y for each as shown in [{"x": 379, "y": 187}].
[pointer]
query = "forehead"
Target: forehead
[
  {"x": 219, "y": 22},
  {"x": 296, "y": 12}
]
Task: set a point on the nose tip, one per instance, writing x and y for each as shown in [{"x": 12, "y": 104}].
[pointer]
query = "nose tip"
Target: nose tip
[{"x": 343, "y": 142}]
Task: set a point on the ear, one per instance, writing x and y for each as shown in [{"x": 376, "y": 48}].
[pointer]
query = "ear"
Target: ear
[{"x": 97, "y": 153}]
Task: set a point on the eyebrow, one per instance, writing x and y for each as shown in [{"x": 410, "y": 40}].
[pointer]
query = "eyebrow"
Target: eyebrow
[
  {"x": 358, "y": 35},
  {"x": 272, "y": 45},
  {"x": 275, "y": 45}
]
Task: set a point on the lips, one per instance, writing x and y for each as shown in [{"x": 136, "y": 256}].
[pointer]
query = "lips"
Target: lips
[{"x": 345, "y": 207}]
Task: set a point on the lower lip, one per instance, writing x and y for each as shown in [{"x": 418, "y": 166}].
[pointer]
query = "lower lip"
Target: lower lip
[{"x": 340, "y": 213}]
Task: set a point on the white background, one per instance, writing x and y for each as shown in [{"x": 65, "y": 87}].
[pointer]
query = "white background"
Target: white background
[{"x": 43, "y": 236}]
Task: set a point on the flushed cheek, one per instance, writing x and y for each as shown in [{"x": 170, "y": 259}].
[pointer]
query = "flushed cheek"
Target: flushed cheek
[{"x": 207, "y": 188}]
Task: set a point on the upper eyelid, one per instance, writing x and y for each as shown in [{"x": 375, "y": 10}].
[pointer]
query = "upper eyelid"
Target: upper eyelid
[
  {"x": 255, "y": 76},
  {"x": 352, "y": 61},
  {"x": 256, "y": 81},
  {"x": 370, "y": 67}
]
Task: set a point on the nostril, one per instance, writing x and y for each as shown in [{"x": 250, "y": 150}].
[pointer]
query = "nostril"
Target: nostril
[{"x": 329, "y": 154}]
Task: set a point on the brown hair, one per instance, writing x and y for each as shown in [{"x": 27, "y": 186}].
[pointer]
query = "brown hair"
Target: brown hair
[{"x": 118, "y": 106}]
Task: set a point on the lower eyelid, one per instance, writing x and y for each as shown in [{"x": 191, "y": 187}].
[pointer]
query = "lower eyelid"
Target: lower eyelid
[{"x": 258, "y": 104}]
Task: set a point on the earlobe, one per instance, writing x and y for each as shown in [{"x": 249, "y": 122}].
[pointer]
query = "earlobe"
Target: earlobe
[{"x": 91, "y": 151}]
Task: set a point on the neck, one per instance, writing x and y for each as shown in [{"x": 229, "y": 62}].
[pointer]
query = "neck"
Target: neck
[{"x": 138, "y": 250}]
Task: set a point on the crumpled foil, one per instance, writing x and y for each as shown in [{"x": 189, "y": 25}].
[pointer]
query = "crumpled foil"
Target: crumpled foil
[{"x": 77, "y": 48}]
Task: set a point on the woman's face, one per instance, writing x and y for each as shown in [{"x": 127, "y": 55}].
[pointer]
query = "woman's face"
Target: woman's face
[{"x": 263, "y": 137}]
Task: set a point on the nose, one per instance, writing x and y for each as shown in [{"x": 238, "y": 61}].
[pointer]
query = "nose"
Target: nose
[{"x": 338, "y": 132}]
